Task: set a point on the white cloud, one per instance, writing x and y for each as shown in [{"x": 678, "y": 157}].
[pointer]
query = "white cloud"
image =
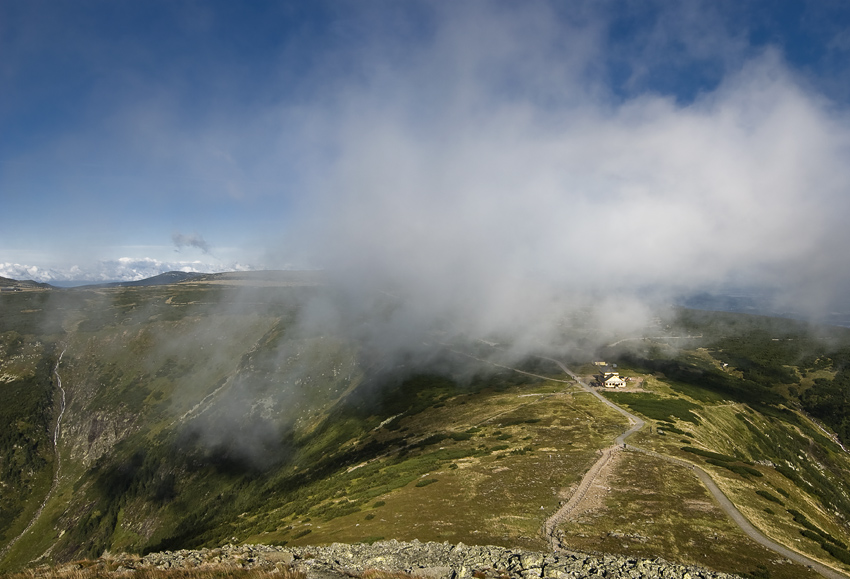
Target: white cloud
[
  {"x": 486, "y": 203},
  {"x": 493, "y": 165},
  {"x": 121, "y": 269}
]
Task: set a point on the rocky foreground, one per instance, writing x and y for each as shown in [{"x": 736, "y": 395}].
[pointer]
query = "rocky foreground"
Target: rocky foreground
[{"x": 425, "y": 560}]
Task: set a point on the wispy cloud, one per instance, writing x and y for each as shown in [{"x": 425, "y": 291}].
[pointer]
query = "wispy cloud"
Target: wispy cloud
[
  {"x": 480, "y": 157},
  {"x": 194, "y": 240},
  {"x": 504, "y": 178}
]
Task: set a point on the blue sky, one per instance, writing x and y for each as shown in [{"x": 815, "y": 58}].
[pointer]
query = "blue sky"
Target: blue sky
[{"x": 678, "y": 144}]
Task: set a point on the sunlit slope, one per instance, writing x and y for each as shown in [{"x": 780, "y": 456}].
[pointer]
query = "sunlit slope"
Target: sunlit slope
[
  {"x": 199, "y": 412},
  {"x": 734, "y": 402},
  {"x": 204, "y": 413}
]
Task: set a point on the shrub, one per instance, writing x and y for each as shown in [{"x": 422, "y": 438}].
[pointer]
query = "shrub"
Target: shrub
[
  {"x": 656, "y": 407},
  {"x": 739, "y": 469},
  {"x": 744, "y": 470},
  {"x": 813, "y": 531},
  {"x": 842, "y": 555},
  {"x": 460, "y": 436},
  {"x": 663, "y": 428},
  {"x": 433, "y": 439},
  {"x": 769, "y": 497},
  {"x": 709, "y": 454},
  {"x": 425, "y": 482}
]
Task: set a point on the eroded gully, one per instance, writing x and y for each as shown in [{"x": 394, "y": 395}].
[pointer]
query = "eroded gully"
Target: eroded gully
[{"x": 55, "y": 483}]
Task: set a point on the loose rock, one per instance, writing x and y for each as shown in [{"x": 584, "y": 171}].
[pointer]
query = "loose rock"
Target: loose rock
[{"x": 419, "y": 560}]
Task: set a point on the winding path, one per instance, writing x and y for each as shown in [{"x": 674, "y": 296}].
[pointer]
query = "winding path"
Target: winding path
[
  {"x": 55, "y": 483},
  {"x": 636, "y": 423}
]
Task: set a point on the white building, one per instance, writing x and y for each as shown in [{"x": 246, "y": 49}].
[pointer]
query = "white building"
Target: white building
[{"x": 612, "y": 380}]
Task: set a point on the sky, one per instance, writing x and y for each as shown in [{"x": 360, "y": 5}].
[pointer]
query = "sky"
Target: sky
[{"x": 469, "y": 154}]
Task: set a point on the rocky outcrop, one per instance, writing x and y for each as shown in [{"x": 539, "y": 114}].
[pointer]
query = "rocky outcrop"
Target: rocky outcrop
[
  {"x": 446, "y": 561},
  {"x": 424, "y": 560}
]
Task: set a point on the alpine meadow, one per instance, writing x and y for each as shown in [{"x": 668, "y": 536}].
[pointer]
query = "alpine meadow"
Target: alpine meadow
[
  {"x": 421, "y": 289},
  {"x": 215, "y": 410}
]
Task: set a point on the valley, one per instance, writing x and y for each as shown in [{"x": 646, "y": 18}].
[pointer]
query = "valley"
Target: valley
[{"x": 222, "y": 410}]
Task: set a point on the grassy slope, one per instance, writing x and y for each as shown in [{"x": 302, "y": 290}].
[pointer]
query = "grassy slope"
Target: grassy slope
[
  {"x": 26, "y": 456},
  {"x": 505, "y": 456},
  {"x": 659, "y": 509},
  {"x": 330, "y": 459},
  {"x": 776, "y": 460},
  {"x": 135, "y": 363}
]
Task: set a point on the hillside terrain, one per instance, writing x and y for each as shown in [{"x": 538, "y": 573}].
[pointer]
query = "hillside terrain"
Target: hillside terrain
[
  {"x": 222, "y": 409},
  {"x": 7, "y": 284}
]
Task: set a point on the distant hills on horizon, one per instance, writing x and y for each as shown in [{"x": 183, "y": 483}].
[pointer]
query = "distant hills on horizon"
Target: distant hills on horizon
[
  {"x": 736, "y": 301},
  {"x": 14, "y": 284},
  {"x": 172, "y": 277}
]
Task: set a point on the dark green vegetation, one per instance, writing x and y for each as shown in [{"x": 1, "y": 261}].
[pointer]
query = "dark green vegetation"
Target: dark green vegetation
[
  {"x": 779, "y": 361},
  {"x": 220, "y": 410},
  {"x": 728, "y": 462},
  {"x": 204, "y": 411},
  {"x": 742, "y": 395},
  {"x": 27, "y": 413},
  {"x": 657, "y": 407}
]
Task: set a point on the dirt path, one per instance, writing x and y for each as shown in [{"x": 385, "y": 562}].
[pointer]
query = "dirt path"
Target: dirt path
[
  {"x": 575, "y": 502},
  {"x": 578, "y": 497}
]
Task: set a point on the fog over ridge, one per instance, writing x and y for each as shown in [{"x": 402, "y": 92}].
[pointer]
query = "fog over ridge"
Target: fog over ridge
[
  {"x": 489, "y": 163},
  {"x": 494, "y": 212},
  {"x": 499, "y": 171}
]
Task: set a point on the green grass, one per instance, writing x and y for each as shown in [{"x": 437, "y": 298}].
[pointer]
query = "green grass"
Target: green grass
[
  {"x": 656, "y": 509},
  {"x": 656, "y": 407},
  {"x": 26, "y": 435},
  {"x": 734, "y": 436},
  {"x": 300, "y": 440}
]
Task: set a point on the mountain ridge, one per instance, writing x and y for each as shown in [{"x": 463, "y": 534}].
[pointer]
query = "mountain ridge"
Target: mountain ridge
[
  {"x": 195, "y": 416},
  {"x": 8, "y": 283}
]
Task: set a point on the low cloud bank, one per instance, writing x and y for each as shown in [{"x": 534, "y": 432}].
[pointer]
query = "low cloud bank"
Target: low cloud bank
[
  {"x": 496, "y": 184},
  {"x": 121, "y": 269}
]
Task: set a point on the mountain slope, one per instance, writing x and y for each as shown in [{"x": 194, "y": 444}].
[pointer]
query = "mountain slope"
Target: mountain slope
[
  {"x": 13, "y": 284},
  {"x": 199, "y": 412}
]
